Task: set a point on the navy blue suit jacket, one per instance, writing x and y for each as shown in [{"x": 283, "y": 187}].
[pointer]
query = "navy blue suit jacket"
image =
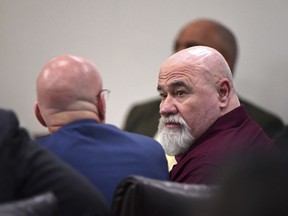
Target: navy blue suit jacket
[{"x": 105, "y": 154}]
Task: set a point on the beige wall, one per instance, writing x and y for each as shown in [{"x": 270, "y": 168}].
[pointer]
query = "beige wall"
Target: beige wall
[{"x": 128, "y": 41}]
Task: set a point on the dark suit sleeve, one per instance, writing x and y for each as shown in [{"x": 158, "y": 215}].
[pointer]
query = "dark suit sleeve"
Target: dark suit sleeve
[
  {"x": 143, "y": 118},
  {"x": 282, "y": 139},
  {"x": 131, "y": 119},
  {"x": 270, "y": 123},
  {"x": 27, "y": 170}
]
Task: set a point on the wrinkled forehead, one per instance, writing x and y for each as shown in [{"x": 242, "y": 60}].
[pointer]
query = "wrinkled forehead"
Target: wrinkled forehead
[
  {"x": 191, "y": 61},
  {"x": 179, "y": 71}
]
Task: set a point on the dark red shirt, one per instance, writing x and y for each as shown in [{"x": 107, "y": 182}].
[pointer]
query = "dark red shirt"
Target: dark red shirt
[{"x": 233, "y": 133}]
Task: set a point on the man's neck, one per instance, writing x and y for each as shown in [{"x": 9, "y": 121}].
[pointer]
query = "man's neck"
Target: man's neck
[{"x": 61, "y": 119}]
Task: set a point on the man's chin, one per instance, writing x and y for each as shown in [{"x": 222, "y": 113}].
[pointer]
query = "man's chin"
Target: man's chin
[
  {"x": 172, "y": 131},
  {"x": 176, "y": 152},
  {"x": 172, "y": 155}
]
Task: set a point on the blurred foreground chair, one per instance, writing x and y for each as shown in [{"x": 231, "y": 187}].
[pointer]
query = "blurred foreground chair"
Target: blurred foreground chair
[
  {"x": 141, "y": 196},
  {"x": 41, "y": 205}
]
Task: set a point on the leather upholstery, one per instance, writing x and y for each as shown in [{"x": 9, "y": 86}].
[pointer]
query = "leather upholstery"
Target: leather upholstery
[{"x": 141, "y": 196}]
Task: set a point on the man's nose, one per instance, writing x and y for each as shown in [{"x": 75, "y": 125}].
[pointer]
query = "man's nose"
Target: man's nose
[{"x": 167, "y": 107}]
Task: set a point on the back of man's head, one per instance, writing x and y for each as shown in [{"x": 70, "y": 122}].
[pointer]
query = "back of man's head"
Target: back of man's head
[
  {"x": 67, "y": 89},
  {"x": 210, "y": 33}
]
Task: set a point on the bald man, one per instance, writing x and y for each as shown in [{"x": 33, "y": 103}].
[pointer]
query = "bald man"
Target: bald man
[
  {"x": 71, "y": 104},
  {"x": 143, "y": 118},
  {"x": 202, "y": 121}
]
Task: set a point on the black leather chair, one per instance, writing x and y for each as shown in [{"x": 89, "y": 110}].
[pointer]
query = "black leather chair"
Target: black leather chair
[
  {"x": 141, "y": 196},
  {"x": 41, "y": 205}
]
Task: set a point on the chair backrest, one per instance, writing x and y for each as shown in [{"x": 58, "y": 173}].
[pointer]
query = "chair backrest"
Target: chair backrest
[
  {"x": 40, "y": 205},
  {"x": 141, "y": 196}
]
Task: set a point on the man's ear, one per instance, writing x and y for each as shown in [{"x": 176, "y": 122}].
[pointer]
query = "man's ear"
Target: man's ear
[
  {"x": 102, "y": 108},
  {"x": 224, "y": 88},
  {"x": 39, "y": 115}
]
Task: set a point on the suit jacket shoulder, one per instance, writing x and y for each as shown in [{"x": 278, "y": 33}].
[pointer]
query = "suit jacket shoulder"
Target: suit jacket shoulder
[
  {"x": 143, "y": 118},
  {"x": 270, "y": 123}
]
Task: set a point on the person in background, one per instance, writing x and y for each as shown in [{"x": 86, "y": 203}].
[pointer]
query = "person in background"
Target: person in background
[
  {"x": 27, "y": 170},
  {"x": 281, "y": 139},
  {"x": 71, "y": 104},
  {"x": 143, "y": 118},
  {"x": 202, "y": 120}
]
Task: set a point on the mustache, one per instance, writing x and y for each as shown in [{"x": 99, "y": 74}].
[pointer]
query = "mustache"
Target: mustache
[{"x": 172, "y": 119}]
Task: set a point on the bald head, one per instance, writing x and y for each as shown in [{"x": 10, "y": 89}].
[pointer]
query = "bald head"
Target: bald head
[
  {"x": 208, "y": 33},
  {"x": 199, "y": 59},
  {"x": 67, "y": 85}
]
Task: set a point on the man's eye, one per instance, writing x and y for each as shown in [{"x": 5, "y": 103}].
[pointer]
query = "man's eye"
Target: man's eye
[
  {"x": 179, "y": 93},
  {"x": 162, "y": 95}
]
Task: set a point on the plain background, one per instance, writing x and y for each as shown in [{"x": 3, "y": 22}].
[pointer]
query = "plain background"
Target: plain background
[{"x": 128, "y": 40}]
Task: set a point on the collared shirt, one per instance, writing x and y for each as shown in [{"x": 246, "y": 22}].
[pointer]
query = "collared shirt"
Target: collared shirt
[{"x": 234, "y": 133}]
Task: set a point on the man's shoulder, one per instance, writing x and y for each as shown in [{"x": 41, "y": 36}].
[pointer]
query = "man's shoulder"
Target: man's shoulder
[
  {"x": 13, "y": 138},
  {"x": 253, "y": 110},
  {"x": 137, "y": 137},
  {"x": 269, "y": 121},
  {"x": 142, "y": 140},
  {"x": 8, "y": 120},
  {"x": 143, "y": 118}
]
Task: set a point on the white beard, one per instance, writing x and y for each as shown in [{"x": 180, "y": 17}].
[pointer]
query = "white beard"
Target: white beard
[{"x": 175, "y": 140}]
